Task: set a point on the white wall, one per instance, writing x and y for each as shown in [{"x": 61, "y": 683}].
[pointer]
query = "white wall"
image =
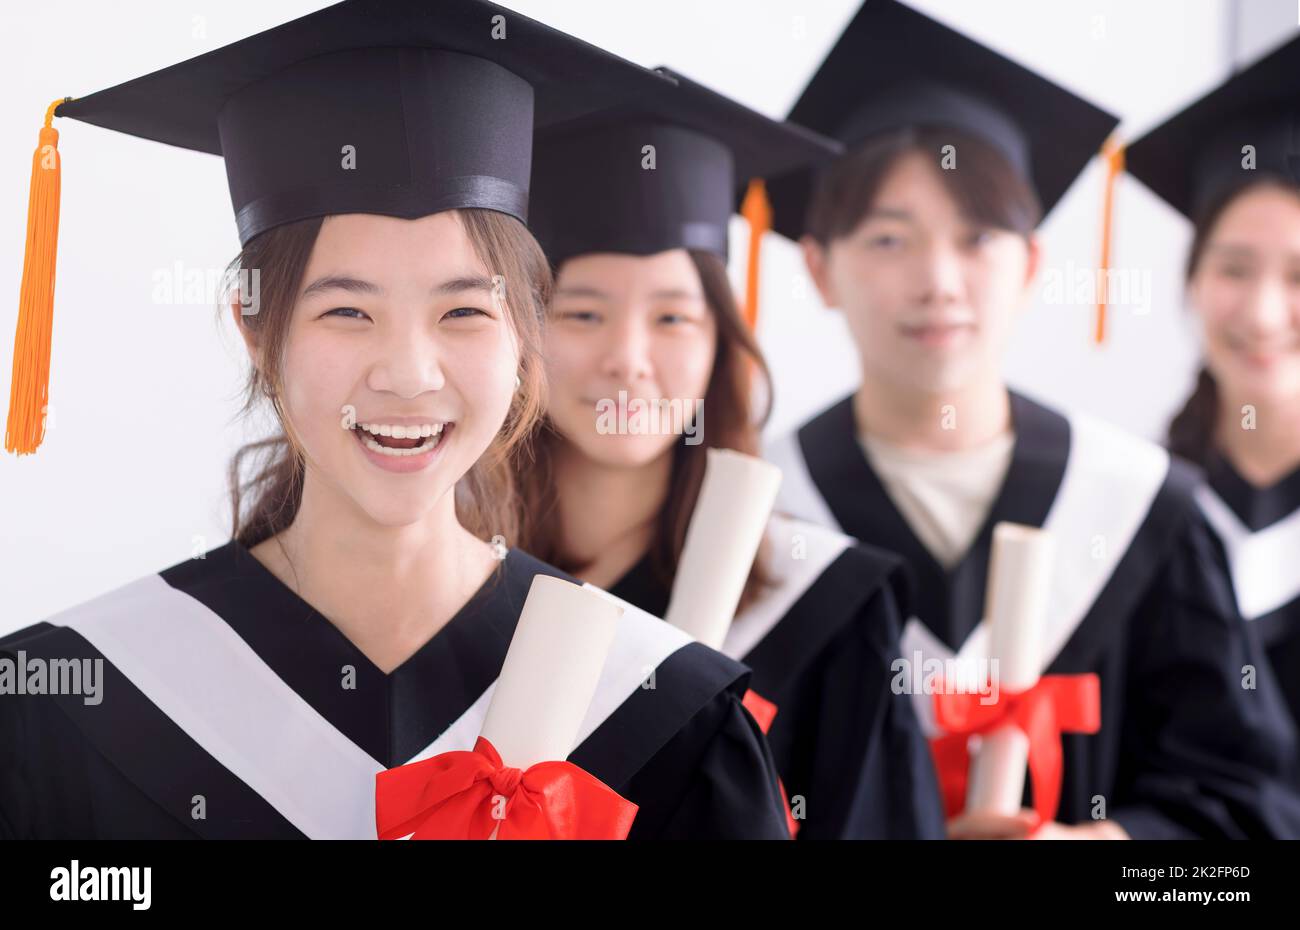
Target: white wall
[{"x": 131, "y": 476}]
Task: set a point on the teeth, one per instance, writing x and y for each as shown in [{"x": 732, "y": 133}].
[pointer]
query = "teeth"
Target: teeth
[
  {"x": 401, "y": 432},
  {"x": 397, "y": 453}
]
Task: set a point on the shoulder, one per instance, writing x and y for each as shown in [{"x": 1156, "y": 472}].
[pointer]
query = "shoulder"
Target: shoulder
[
  {"x": 807, "y": 560},
  {"x": 827, "y": 591}
]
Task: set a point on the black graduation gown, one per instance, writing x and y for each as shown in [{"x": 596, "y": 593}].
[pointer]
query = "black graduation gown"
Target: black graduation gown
[
  {"x": 1184, "y": 749},
  {"x": 1258, "y": 531},
  {"x": 820, "y": 642},
  {"x": 222, "y": 694}
]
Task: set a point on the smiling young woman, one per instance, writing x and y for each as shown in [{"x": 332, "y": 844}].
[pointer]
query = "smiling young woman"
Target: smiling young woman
[
  {"x": 1227, "y": 163},
  {"x": 360, "y": 617}
]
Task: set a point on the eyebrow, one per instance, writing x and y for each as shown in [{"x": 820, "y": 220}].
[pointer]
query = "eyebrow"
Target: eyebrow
[
  {"x": 663, "y": 294},
  {"x": 1231, "y": 247},
  {"x": 888, "y": 213},
  {"x": 456, "y": 285}
]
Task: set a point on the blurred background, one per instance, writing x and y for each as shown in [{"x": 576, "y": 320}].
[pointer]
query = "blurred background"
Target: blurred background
[{"x": 146, "y": 374}]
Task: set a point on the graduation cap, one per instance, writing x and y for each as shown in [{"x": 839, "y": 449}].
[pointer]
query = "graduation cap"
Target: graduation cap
[
  {"x": 1200, "y": 153},
  {"x": 894, "y": 68},
  {"x": 662, "y": 173},
  {"x": 437, "y": 100}
]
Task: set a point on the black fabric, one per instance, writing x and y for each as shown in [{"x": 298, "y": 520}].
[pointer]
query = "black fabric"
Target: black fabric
[
  {"x": 1184, "y": 749},
  {"x": 685, "y": 750},
  {"x": 438, "y": 100},
  {"x": 596, "y": 190},
  {"x": 1278, "y": 631},
  {"x": 1257, "y": 508},
  {"x": 1197, "y": 154},
  {"x": 850, "y": 752},
  {"x": 893, "y": 67}
]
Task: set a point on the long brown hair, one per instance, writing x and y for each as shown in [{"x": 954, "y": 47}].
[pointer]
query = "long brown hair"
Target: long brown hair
[
  {"x": 987, "y": 188},
  {"x": 266, "y": 502},
  {"x": 1191, "y": 431},
  {"x": 730, "y": 425}
]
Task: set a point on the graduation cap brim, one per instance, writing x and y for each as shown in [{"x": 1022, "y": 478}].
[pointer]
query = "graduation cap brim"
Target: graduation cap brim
[
  {"x": 888, "y": 45},
  {"x": 179, "y": 104},
  {"x": 592, "y": 194},
  {"x": 1260, "y": 102}
]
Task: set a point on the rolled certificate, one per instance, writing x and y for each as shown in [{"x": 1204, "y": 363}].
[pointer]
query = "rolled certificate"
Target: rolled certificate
[
  {"x": 1014, "y": 607},
  {"x": 550, "y": 672},
  {"x": 736, "y": 499}
]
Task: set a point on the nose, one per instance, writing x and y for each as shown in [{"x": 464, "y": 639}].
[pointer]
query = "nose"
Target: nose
[
  {"x": 626, "y": 354},
  {"x": 408, "y": 363},
  {"x": 941, "y": 278},
  {"x": 1269, "y": 308}
]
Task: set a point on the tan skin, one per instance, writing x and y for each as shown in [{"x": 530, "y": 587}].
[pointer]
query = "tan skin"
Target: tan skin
[
  {"x": 382, "y": 555},
  {"x": 931, "y": 300},
  {"x": 1245, "y": 294},
  {"x": 639, "y": 324}
]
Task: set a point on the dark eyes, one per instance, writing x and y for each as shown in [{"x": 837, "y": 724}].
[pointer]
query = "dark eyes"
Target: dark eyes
[
  {"x": 352, "y": 313},
  {"x": 466, "y": 311},
  {"x": 347, "y": 311},
  {"x": 585, "y": 316}
]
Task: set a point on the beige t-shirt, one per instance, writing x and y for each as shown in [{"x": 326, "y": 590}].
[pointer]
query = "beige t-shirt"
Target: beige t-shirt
[{"x": 944, "y": 496}]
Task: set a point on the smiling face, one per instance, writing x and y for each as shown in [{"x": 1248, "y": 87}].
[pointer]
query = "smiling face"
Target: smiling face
[
  {"x": 396, "y": 321},
  {"x": 631, "y": 323},
  {"x": 929, "y": 296},
  {"x": 1246, "y": 293}
]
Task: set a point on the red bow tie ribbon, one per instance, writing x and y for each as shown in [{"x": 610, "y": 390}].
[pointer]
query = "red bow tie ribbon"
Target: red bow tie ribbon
[
  {"x": 453, "y": 795},
  {"x": 1057, "y": 704},
  {"x": 764, "y": 712}
]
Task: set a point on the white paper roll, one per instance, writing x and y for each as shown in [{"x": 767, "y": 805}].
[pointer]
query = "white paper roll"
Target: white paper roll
[
  {"x": 550, "y": 672},
  {"x": 736, "y": 499},
  {"x": 1019, "y": 582}
]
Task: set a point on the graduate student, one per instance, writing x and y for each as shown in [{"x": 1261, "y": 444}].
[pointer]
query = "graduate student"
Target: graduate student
[
  {"x": 923, "y": 234},
  {"x": 1228, "y": 163},
  {"x": 643, "y": 314},
  {"x": 359, "y": 610}
]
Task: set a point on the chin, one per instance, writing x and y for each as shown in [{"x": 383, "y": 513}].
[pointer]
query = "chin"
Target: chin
[{"x": 626, "y": 451}]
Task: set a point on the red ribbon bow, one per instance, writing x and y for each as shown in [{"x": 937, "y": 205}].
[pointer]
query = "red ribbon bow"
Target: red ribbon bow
[
  {"x": 764, "y": 712},
  {"x": 1057, "y": 704},
  {"x": 453, "y": 795}
]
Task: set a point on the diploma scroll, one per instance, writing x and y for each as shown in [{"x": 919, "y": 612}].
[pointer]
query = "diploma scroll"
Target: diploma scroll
[
  {"x": 550, "y": 672},
  {"x": 1015, "y": 605},
  {"x": 726, "y": 529}
]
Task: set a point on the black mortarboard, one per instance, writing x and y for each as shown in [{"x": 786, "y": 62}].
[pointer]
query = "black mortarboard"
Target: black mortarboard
[
  {"x": 598, "y": 188},
  {"x": 894, "y": 67},
  {"x": 438, "y": 99},
  {"x": 1196, "y": 155}
]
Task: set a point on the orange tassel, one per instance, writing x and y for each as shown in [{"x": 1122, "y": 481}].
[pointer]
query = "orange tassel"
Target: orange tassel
[
  {"x": 1113, "y": 154},
  {"x": 30, "y": 387},
  {"x": 756, "y": 209}
]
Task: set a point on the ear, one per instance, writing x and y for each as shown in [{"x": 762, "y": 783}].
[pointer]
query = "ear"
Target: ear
[
  {"x": 1035, "y": 248},
  {"x": 250, "y": 338},
  {"x": 817, "y": 259}
]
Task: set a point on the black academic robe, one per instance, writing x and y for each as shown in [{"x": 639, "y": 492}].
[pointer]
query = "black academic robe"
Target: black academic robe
[
  {"x": 229, "y": 707},
  {"x": 1258, "y": 531},
  {"x": 820, "y": 640},
  {"x": 1184, "y": 749}
]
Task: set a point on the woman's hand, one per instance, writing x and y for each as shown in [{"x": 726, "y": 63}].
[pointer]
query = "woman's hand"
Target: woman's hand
[{"x": 1026, "y": 825}]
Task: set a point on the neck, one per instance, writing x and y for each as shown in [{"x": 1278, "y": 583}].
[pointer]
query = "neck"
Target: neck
[
  {"x": 608, "y": 513},
  {"x": 941, "y": 421},
  {"x": 387, "y": 588},
  {"x": 1270, "y": 449}
]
